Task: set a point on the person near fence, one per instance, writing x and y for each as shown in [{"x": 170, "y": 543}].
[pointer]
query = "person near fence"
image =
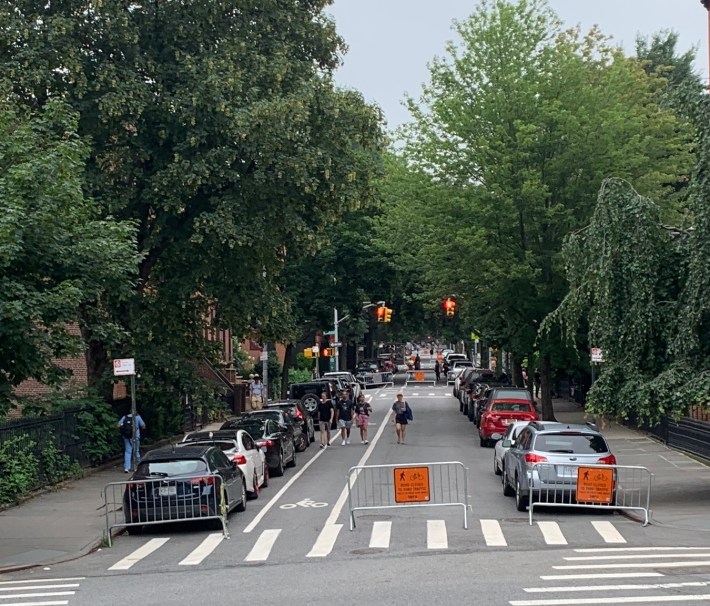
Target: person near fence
[
  {"x": 257, "y": 393},
  {"x": 326, "y": 413},
  {"x": 125, "y": 425},
  {"x": 417, "y": 363},
  {"x": 362, "y": 416},
  {"x": 401, "y": 415},
  {"x": 344, "y": 411},
  {"x": 437, "y": 370}
]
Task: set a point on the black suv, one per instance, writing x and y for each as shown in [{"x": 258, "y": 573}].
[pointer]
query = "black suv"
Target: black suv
[{"x": 309, "y": 393}]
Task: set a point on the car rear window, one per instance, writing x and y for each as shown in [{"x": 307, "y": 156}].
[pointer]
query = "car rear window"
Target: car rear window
[
  {"x": 253, "y": 429},
  {"x": 569, "y": 443},
  {"x": 512, "y": 407},
  {"x": 177, "y": 467},
  {"x": 221, "y": 444},
  {"x": 520, "y": 394}
]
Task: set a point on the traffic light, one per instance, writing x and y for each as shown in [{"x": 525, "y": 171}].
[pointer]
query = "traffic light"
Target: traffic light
[
  {"x": 381, "y": 312},
  {"x": 450, "y": 306},
  {"x": 328, "y": 352},
  {"x": 388, "y": 314}
]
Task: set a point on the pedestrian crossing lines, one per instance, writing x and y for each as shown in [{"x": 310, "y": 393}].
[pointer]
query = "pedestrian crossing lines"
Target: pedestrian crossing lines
[
  {"x": 37, "y": 590},
  {"x": 382, "y": 536}
]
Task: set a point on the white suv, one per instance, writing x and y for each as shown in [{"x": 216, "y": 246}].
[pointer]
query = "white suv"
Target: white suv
[{"x": 348, "y": 378}]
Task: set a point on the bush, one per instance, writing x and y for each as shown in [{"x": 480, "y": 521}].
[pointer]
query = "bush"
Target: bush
[
  {"x": 18, "y": 469},
  {"x": 54, "y": 465}
]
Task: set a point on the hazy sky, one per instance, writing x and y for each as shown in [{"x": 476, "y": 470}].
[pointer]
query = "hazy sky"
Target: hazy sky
[{"x": 391, "y": 41}]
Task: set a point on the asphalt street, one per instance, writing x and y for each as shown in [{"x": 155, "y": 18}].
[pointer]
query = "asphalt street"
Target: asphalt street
[{"x": 294, "y": 544}]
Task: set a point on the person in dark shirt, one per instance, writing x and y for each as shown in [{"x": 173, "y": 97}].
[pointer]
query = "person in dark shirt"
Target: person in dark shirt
[
  {"x": 344, "y": 411},
  {"x": 362, "y": 416},
  {"x": 326, "y": 412}
]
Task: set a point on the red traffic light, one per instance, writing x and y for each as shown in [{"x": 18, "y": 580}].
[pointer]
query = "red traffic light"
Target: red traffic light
[
  {"x": 381, "y": 312},
  {"x": 450, "y": 306}
]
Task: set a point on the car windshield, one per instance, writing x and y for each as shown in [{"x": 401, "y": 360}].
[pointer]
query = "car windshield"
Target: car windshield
[
  {"x": 513, "y": 393},
  {"x": 511, "y": 407},
  {"x": 221, "y": 444},
  {"x": 571, "y": 443},
  {"x": 178, "y": 467}
]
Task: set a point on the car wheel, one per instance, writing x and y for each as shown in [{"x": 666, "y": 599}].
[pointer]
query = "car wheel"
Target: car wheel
[
  {"x": 521, "y": 502},
  {"x": 496, "y": 469},
  {"x": 243, "y": 503},
  {"x": 279, "y": 469},
  {"x": 310, "y": 402},
  {"x": 265, "y": 483},
  {"x": 134, "y": 530},
  {"x": 460, "y": 406},
  {"x": 507, "y": 489},
  {"x": 254, "y": 494},
  {"x": 292, "y": 462},
  {"x": 481, "y": 441},
  {"x": 302, "y": 443}
]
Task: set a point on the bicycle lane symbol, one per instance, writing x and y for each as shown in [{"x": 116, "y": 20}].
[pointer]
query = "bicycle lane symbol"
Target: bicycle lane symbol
[{"x": 303, "y": 503}]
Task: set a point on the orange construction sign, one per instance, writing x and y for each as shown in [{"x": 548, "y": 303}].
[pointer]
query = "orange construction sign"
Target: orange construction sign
[
  {"x": 418, "y": 376},
  {"x": 595, "y": 485},
  {"x": 411, "y": 484}
]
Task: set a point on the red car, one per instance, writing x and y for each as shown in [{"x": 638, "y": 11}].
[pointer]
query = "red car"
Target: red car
[{"x": 500, "y": 413}]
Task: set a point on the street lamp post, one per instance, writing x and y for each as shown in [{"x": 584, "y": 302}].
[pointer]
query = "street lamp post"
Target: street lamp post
[
  {"x": 337, "y": 321},
  {"x": 706, "y": 4}
]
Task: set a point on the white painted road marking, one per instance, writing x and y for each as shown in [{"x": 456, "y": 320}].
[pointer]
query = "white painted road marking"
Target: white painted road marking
[
  {"x": 649, "y": 599},
  {"x": 629, "y": 549},
  {"x": 43, "y": 581},
  {"x": 493, "y": 533},
  {"x": 139, "y": 554},
  {"x": 436, "y": 537},
  {"x": 635, "y": 565},
  {"x": 325, "y": 542},
  {"x": 380, "y": 537},
  {"x": 608, "y": 532},
  {"x": 50, "y": 603},
  {"x": 609, "y": 575},
  {"x": 552, "y": 533},
  {"x": 569, "y": 589},
  {"x": 645, "y": 556},
  {"x": 262, "y": 548},
  {"x": 203, "y": 549},
  {"x": 34, "y": 587},
  {"x": 20, "y": 596}
]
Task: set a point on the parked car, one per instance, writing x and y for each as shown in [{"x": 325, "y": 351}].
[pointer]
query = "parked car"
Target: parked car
[
  {"x": 455, "y": 369},
  {"x": 450, "y": 357},
  {"x": 504, "y": 444},
  {"x": 282, "y": 417},
  {"x": 459, "y": 381},
  {"x": 296, "y": 409},
  {"x": 241, "y": 449},
  {"x": 186, "y": 486},
  {"x": 555, "y": 443},
  {"x": 500, "y": 413},
  {"x": 309, "y": 392},
  {"x": 348, "y": 378},
  {"x": 371, "y": 373},
  {"x": 275, "y": 441}
]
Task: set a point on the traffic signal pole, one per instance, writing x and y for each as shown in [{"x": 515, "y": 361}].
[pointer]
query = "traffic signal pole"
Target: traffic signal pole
[{"x": 337, "y": 339}]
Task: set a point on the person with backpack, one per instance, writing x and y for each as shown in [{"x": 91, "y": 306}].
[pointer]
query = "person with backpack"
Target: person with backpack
[
  {"x": 125, "y": 426},
  {"x": 401, "y": 415}
]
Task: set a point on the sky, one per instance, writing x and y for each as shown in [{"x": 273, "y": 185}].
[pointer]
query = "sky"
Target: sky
[{"x": 392, "y": 41}]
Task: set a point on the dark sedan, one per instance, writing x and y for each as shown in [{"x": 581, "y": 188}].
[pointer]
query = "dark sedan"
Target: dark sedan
[
  {"x": 182, "y": 484},
  {"x": 276, "y": 441},
  {"x": 296, "y": 409}
]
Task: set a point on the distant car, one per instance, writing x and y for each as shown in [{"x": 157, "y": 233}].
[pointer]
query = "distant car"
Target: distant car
[
  {"x": 276, "y": 441},
  {"x": 298, "y": 410},
  {"x": 184, "y": 485},
  {"x": 449, "y": 358},
  {"x": 349, "y": 379},
  {"x": 504, "y": 444},
  {"x": 282, "y": 417},
  {"x": 456, "y": 368},
  {"x": 240, "y": 448},
  {"x": 557, "y": 444},
  {"x": 501, "y": 412}
]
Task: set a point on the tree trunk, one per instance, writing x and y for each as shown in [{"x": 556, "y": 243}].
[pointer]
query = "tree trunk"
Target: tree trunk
[
  {"x": 516, "y": 371},
  {"x": 96, "y": 362},
  {"x": 548, "y": 413},
  {"x": 289, "y": 359}
]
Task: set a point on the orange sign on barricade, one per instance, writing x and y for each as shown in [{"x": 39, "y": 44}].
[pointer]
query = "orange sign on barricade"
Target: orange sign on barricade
[
  {"x": 595, "y": 485},
  {"x": 411, "y": 484},
  {"x": 419, "y": 376}
]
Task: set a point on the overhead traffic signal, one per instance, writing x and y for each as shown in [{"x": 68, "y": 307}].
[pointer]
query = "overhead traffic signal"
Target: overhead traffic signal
[
  {"x": 388, "y": 314},
  {"x": 450, "y": 306},
  {"x": 381, "y": 312}
]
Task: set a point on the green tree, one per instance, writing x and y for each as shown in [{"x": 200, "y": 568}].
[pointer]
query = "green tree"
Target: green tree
[{"x": 57, "y": 254}]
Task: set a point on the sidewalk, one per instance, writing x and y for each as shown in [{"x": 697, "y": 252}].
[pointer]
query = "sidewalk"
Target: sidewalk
[{"x": 69, "y": 522}]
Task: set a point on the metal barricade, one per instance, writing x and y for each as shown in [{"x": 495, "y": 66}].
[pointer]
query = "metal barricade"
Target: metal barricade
[
  {"x": 425, "y": 376},
  {"x": 610, "y": 487},
  {"x": 440, "y": 484},
  {"x": 185, "y": 498},
  {"x": 377, "y": 379}
]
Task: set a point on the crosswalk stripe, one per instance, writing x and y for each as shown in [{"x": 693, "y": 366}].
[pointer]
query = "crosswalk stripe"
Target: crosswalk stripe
[
  {"x": 42, "y": 580},
  {"x": 262, "y": 548},
  {"x": 622, "y": 587},
  {"x": 139, "y": 554},
  {"x": 608, "y": 532},
  {"x": 635, "y": 565},
  {"x": 552, "y": 533},
  {"x": 647, "y": 599},
  {"x": 47, "y": 603},
  {"x": 493, "y": 533},
  {"x": 645, "y": 556},
  {"x": 35, "y": 587},
  {"x": 599, "y": 576},
  {"x": 203, "y": 549},
  {"x": 43, "y": 594},
  {"x": 436, "y": 537},
  {"x": 380, "y": 537},
  {"x": 325, "y": 542}
]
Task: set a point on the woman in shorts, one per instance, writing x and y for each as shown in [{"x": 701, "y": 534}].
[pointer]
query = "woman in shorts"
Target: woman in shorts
[
  {"x": 362, "y": 416},
  {"x": 401, "y": 415}
]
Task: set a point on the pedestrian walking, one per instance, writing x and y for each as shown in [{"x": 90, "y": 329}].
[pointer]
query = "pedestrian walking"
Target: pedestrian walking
[
  {"x": 326, "y": 413},
  {"x": 401, "y": 415},
  {"x": 417, "y": 363},
  {"x": 437, "y": 370},
  {"x": 538, "y": 382},
  {"x": 344, "y": 414},
  {"x": 362, "y": 416},
  {"x": 125, "y": 425},
  {"x": 257, "y": 393}
]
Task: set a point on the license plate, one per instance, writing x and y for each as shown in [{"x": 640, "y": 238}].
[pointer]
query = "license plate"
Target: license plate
[
  {"x": 567, "y": 471},
  {"x": 167, "y": 491}
]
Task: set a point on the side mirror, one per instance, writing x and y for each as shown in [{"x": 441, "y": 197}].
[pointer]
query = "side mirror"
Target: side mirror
[
  {"x": 496, "y": 436},
  {"x": 506, "y": 443}
]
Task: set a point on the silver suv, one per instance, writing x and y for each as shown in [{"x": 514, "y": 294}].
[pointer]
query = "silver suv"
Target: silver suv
[{"x": 554, "y": 444}]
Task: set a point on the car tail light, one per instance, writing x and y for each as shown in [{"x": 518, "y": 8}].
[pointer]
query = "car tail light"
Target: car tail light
[
  {"x": 265, "y": 443},
  {"x": 532, "y": 458},
  {"x": 204, "y": 480},
  {"x": 607, "y": 460},
  {"x": 239, "y": 459}
]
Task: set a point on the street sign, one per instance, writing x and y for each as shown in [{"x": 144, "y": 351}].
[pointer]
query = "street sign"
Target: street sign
[
  {"x": 264, "y": 356},
  {"x": 124, "y": 367},
  {"x": 597, "y": 354},
  {"x": 328, "y": 332},
  {"x": 337, "y": 344},
  {"x": 595, "y": 485},
  {"x": 411, "y": 484}
]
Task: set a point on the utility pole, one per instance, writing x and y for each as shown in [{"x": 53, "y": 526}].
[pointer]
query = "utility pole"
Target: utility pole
[
  {"x": 706, "y": 4},
  {"x": 336, "y": 339},
  {"x": 265, "y": 371}
]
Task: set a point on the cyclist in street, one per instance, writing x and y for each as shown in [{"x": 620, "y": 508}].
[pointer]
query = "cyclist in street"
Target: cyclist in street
[
  {"x": 326, "y": 412},
  {"x": 362, "y": 416},
  {"x": 401, "y": 415},
  {"x": 344, "y": 410}
]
